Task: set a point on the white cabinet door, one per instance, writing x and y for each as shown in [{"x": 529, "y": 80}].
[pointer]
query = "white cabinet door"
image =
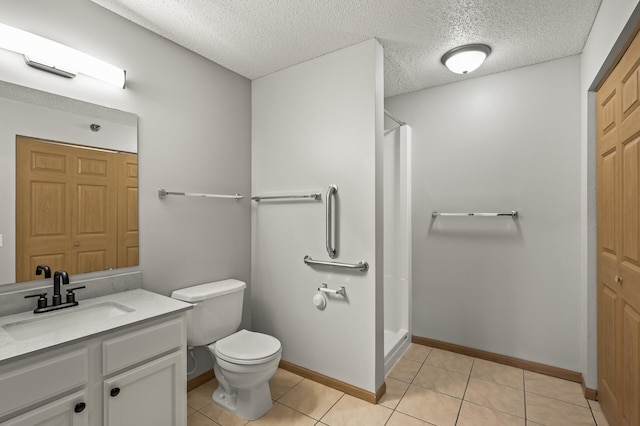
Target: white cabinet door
[
  {"x": 152, "y": 394},
  {"x": 68, "y": 411}
]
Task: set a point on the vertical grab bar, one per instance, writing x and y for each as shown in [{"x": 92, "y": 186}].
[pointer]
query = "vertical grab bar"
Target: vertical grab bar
[{"x": 331, "y": 248}]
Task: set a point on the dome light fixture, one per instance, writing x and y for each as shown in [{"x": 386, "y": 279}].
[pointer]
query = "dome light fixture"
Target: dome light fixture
[{"x": 467, "y": 58}]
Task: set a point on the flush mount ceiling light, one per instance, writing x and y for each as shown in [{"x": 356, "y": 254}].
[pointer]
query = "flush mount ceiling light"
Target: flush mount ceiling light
[
  {"x": 465, "y": 59},
  {"x": 57, "y": 58}
]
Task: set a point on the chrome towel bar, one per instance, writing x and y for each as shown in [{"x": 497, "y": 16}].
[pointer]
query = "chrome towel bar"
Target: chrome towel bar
[
  {"x": 362, "y": 266},
  {"x": 163, "y": 193},
  {"x": 317, "y": 196},
  {"x": 340, "y": 292},
  {"x": 513, "y": 214}
]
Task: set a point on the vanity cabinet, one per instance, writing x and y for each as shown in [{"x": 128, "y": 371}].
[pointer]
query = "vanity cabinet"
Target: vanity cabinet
[
  {"x": 154, "y": 392},
  {"x": 135, "y": 375}
]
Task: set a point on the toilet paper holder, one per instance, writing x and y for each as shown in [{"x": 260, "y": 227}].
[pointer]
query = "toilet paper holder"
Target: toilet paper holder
[{"x": 325, "y": 289}]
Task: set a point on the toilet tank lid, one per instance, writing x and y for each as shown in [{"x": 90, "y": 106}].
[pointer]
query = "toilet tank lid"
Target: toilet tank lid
[{"x": 201, "y": 292}]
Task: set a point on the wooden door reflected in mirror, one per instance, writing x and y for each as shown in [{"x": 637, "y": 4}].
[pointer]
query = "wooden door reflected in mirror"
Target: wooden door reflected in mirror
[{"x": 76, "y": 208}]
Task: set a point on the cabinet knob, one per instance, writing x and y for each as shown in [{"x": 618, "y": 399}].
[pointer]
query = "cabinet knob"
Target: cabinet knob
[
  {"x": 80, "y": 406},
  {"x": 618, "y": 279},
  {"x": 76, "y": 244},
  {"x": 114, "y": 391}
]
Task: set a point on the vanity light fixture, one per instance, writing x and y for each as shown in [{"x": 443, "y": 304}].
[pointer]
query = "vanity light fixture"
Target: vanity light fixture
[
  {"x": 57, "y": 58},
  {"x": 467, "y": 58}
]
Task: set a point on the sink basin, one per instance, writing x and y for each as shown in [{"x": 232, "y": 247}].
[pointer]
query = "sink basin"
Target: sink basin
[{"x": 52, "y": 322}]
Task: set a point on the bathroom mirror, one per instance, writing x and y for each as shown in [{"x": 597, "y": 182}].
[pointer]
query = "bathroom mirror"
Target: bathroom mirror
[{"x": 77, "y": 223}]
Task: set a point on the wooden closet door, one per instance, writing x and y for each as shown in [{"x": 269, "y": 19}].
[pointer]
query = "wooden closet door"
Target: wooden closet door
[{"x": 619, "y": 241}]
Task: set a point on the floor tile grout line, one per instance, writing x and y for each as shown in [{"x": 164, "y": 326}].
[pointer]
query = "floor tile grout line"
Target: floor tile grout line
[
  {"x": 593, "y": 417},
  {"x": 300, "y": 412},
  {"x": 465, "y": 391},
  {"x": 414, "y": 417},
  {"x": 203, "y": 414},
  {"x": 524, "y": 389},
  {"x": 290, "y": 389},
  {"x": 494, "y": 409},
  {"x": 393, "y": 410},
  {"x": 405, "y": 392},
  {"x": 561, "y": 400},
  {"x": 306, "y": 415},
  {"x": 497, "y": 383},
  {"x": 487, "y": 406},
  {"x": 213, "y": 420},
  {"x": 333, "y": 405}
]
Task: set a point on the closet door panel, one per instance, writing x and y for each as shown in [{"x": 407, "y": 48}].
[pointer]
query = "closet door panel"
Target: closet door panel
[
  {"x": 609, "y": 247},
  {"x": 630, "y": 223},
  {"x": 607, "y": 348},
  {"x": 631, "y": 366}
]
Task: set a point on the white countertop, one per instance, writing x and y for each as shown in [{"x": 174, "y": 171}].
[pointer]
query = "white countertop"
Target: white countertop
[{"x": 145, "y": 304}]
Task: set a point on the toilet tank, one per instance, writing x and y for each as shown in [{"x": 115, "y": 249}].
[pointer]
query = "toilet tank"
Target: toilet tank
[{"x": 217, "y": 312}]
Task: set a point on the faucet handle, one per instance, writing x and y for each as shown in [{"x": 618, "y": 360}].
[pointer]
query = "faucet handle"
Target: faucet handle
[
  {"x": 71, "y": 296},
  {"x": 42, "y": 299}
]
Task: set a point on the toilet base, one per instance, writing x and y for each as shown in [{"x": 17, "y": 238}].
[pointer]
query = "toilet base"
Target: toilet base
[{"x": 248, "y": 404}]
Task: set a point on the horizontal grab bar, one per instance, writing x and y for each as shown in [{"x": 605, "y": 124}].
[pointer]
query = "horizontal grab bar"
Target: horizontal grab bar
[
  {"x": 362, "y": 266},
  {"x": 316, "y": 196},
  {"x": 513, "y": 213},
  {"x": 340, "y": 292},
  {"x": 163, "y": 193}
]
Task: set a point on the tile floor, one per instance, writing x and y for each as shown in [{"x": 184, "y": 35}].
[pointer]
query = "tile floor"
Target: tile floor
[{"x": 426, "y": 387}]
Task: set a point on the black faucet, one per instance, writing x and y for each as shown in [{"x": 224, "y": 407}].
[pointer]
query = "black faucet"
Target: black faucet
[
  {"x": 58, "y": 276},
  {"x": 43, "y": 268}
]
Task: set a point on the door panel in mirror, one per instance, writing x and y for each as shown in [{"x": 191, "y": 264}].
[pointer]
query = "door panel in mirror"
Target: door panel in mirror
[{"x": 76, "y": 205}]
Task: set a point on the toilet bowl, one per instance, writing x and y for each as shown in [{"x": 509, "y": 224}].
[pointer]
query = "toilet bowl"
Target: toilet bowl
[{"x": 244, "y": 361}]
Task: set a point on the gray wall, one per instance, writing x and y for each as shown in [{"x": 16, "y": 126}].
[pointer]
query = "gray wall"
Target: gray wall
[
  {"x": 194, "y": 135},
  {"x": 315, "y": 124},
  {"x": 509, "y": 141}
]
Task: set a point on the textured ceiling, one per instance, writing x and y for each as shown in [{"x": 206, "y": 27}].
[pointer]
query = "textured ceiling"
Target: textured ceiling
[{"x": 257, "y": 37}]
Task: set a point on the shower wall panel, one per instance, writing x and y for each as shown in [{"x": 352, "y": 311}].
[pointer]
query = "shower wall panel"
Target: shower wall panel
[{"x": 397, "y": 236}]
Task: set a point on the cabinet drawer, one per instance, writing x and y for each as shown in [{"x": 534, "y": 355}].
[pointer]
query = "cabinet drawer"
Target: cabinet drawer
[
  {"x": 138, "y": 346},
  {"x": 63, "y": 411},
  {"x": 37, "y": 382}
]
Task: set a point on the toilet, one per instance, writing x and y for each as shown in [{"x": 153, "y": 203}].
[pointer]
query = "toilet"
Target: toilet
[{"x": 244, "y": 361}]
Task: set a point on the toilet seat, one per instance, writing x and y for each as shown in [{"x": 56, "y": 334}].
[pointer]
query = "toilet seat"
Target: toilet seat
[{"x": 247, "y": 347}]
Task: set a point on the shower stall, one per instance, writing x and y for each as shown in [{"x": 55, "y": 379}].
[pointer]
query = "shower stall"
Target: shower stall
[{"x": 397, "y": 242}]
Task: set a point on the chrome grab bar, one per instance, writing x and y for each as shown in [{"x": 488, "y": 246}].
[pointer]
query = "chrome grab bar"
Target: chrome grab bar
[
  {"x": 513, "y": 214},
  {"x": 163, "y": 193},
  {"x": 362, "y": 266},
  {"x": 316, "y": 196},
  {"x": 331, "y": 248},
  {"x": 340, "y": 292}
]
